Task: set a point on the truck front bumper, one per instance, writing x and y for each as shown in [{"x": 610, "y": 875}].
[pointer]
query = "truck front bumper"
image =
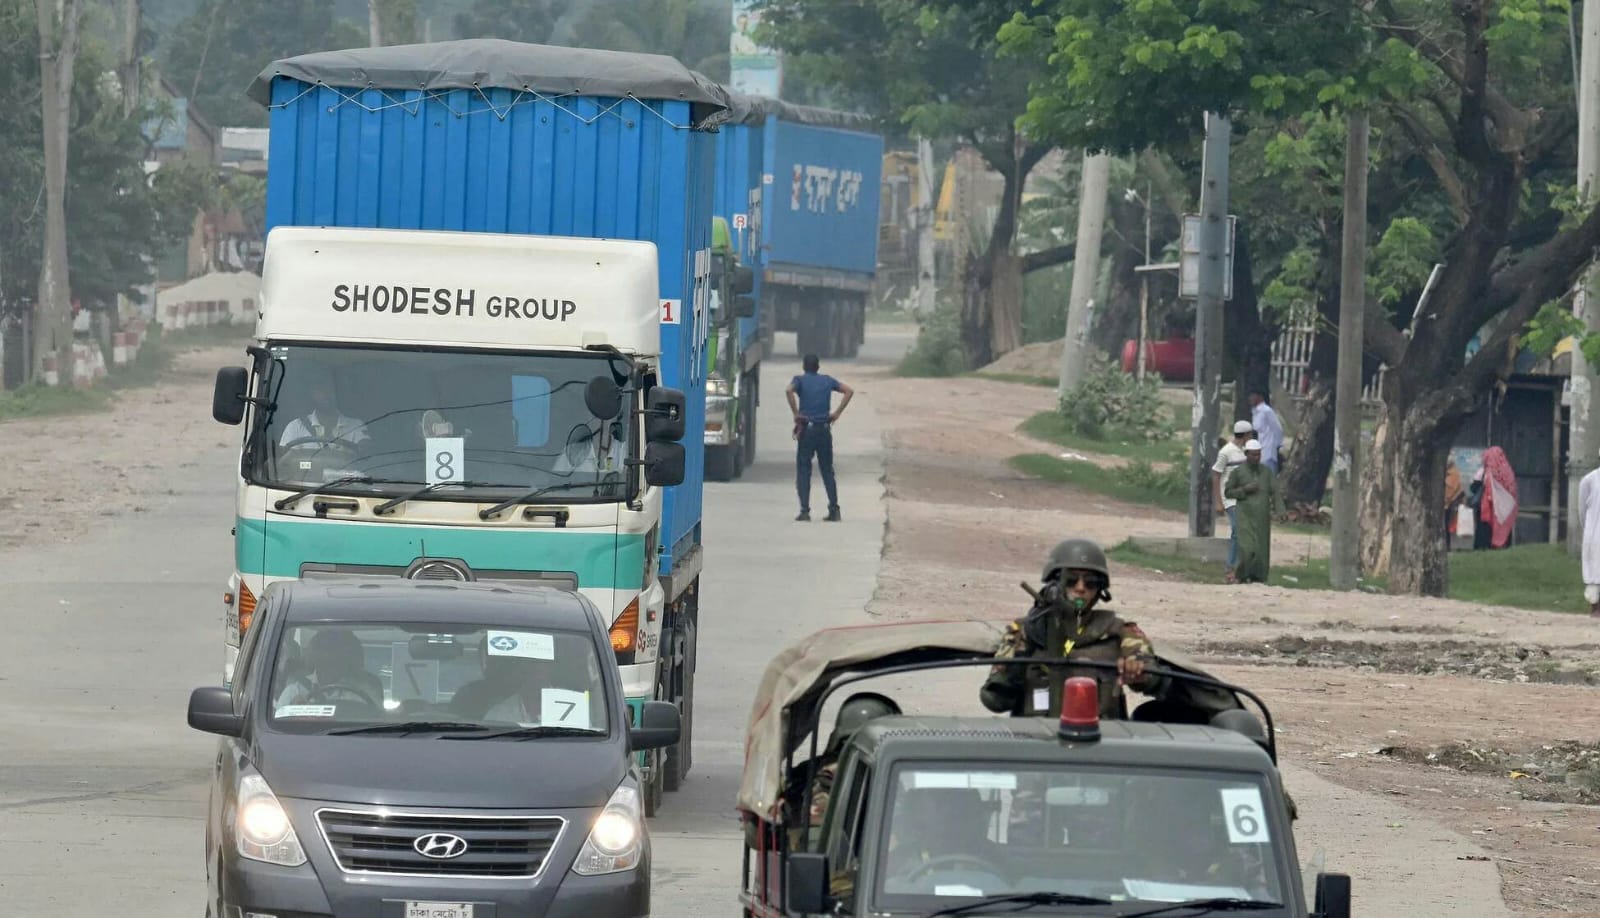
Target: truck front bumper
[{"x": 719, "y": 430}]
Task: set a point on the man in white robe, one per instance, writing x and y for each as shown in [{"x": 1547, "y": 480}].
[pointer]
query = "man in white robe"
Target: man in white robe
[{"x": 1589, "y": 510}]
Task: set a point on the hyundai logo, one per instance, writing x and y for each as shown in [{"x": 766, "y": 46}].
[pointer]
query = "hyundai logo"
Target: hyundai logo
[{"x": 441, "y": 846}]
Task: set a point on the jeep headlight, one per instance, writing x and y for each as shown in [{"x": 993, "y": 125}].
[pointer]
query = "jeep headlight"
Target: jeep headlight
[
  {"x": 616, "y": 840},
  {"x": 262, "y": 831}
]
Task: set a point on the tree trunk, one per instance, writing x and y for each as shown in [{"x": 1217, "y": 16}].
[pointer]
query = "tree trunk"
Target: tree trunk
[
  {"x": 1377, "y": 494},
  {"x": 1117, "y": 319},
  {"x": 1305, "y": 474},
  {"x": 977, "y": 318},
  {"x": 1417, "y": 562},
  {"x": 1005, "y": 299},
  {"x": 1247, "y": 334},
  {"x": 58, "y": 49}
]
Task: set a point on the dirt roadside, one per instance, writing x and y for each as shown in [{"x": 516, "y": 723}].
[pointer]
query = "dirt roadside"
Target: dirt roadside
[
  {"x": 67, "y": 473},
  {"x": 1476, "y": 717}
]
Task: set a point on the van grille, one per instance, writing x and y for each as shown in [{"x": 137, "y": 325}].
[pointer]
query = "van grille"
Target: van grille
[{"x": 496, "y": 846}]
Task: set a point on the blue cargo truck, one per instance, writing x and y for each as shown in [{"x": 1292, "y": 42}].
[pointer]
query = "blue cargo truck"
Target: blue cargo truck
[
  {"x": 797, "y": 192},
  {"x": 481, "y": 339}
]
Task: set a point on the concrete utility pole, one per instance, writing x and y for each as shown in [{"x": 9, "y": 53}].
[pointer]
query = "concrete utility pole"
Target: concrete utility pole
[
  {"x": 1208, "y": 321},
  {"x": 927, "y": 283},
  {"x": 1144, "y": 291},
  {"x": 1584, "y": 426},
  {"x": 1085, "y": 268},
  {"x": 1344, "y": 560},
  {"x": 374, "y": 25}
]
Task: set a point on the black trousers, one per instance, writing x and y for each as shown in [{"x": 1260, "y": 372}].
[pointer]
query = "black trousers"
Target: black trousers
[{"x": 816, "y": 440}]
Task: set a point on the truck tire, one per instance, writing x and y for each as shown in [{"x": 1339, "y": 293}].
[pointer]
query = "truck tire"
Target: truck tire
[
  {"x": 752, "y": 399},
  {"x": 721, "y": 462},
  {"x": 653, "y": 791},
  {"x": 678, "y": 758}
]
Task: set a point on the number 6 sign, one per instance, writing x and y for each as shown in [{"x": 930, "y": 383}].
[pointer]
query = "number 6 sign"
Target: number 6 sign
[{"x": 1246, "y": 817}]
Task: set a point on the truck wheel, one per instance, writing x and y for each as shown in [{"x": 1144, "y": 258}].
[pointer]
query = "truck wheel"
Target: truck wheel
[
  {"x": 748, "y": 439},
  {"x": 653, "y": 791},
  {"x": 720, "y": 463},
  {"x": 676, "y": 758}
]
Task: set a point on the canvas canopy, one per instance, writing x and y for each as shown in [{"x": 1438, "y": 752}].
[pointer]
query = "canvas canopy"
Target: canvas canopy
[
  {"x": 493, "y": 63},
  {"x": 797, "y": 676},
  {"x": 748, "y": 109},
  {"x": 791, "y": 689}
]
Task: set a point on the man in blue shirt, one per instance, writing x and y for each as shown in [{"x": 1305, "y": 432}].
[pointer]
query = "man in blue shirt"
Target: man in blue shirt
[{"x": 811, "y": 400}]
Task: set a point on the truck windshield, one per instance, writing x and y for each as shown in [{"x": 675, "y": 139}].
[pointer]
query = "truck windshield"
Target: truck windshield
[
  {"x": 1122, "y": 834},
  {"x": 440, "y": 678},
  {"x": 513, "y": 421}
]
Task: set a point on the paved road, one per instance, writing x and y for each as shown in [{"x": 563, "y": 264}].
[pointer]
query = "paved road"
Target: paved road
[{"x": 102, "y": 786}]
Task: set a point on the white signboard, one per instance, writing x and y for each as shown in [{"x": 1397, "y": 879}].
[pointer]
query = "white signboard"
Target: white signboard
[
  {"x": 446, "y": 459},
  {"x": 1189, "y": 258},
  {"x": 564, "y": 708},
  {"x": 1245, "y": 816}
]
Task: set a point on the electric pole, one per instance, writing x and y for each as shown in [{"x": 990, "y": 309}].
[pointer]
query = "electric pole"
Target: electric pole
[
  {"x": 1208, "y": 321},
  {"x": 1583, "y": 426},
  {"x": 1344, "y": 560},
  {"x": 1085, "y": 267},
  {"x": 374, "y": 25}
]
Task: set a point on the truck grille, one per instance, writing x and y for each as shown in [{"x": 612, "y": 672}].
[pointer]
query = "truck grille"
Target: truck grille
[{"x": 497, "y": 846}]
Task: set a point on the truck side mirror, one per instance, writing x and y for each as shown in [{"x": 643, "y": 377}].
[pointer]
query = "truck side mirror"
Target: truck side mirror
[
  {"x": 663, "y": 464},
  {"x": 603, "y": 398},
  {"x": 227, "y": 400},
  {"x": 1333, "y": 896},
  {"x": 744, "y": 279},
  {"x": 718, "y": 269},
  {"x": 744, "y": 306},
  {"x": 660, "y": 725},
  {"x": 664, "y": 415},
  {"x": 805, "y": 883}
]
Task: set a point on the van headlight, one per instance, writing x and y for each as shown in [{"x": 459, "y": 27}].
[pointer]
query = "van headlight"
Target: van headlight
[
  {"x": 262, "y": 831},
  {"x": 617, "y": 837}
]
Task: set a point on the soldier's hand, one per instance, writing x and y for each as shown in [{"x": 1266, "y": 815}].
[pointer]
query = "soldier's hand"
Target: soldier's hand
[{"x": 1130, "y": 669}]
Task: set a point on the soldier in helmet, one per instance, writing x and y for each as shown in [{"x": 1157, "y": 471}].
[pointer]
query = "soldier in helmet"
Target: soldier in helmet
[
  {"x": 853, "y": 714},
  {"x": 1067, "y": 621}
]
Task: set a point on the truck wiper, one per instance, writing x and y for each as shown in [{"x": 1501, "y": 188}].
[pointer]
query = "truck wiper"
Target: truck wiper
[
  {"x": 388, "y": 505},
  {"x": 527, "y": 733},
  {"x": 1203, "y": 906},
  {"x": 1023, "y": 901},
  {"x": 414, "y": 726},
  {"x": 537, "y": 493},
  {"x": 294, "y": 498}
]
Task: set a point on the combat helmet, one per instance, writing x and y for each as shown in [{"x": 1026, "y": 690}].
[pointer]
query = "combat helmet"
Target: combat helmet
[
  {"x": 1079, "y": 555},
  {"x": 860, "y": 708}
]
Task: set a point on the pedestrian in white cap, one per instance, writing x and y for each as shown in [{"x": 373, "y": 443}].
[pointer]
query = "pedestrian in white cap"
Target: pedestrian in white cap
[
  {"x": 1589, "y": 512},
  {"x": 1230, "y": 457},
  {"x": 1255, "y": 486}
]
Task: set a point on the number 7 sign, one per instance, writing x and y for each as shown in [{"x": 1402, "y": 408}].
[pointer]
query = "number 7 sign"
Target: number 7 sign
[{"x": 671, "y": 312}]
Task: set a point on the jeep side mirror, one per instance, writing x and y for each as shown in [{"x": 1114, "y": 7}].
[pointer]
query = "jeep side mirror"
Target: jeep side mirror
[
  {"x": 1333, "y": 896},
  {"x": 744, "y": 306},
  {"x": 603, "y": 398},
  {"x": 663, "y": 464},
  {"x": 227, "y": 400},
  {"x": 211, "y": 711},
  {"x": 744, "y": 279},
  {"x": 660, "y": 725},
  {"x": 665, "y": 411},
  {"x": 805, "y": 883}
]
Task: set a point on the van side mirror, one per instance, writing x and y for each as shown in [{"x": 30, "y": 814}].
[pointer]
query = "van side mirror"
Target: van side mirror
[
  {"x": 211, "y": 711},
  {"x": 665, "y": 415},
  {"x": 744, "y": 306},
  {"x": 227, "y": 399},
  {"x": 660, "y": 725},
  {"x": 744, "y": 279},
  {"x": 664, "y": 464},
  {"x": 603, "y": 398},
  {"x": 805, "y": 883},
  {"x": 1333, "y": 896}
]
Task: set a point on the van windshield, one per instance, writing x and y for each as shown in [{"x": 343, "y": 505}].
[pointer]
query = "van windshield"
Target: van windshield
[
  {"x": 957, "y": 832},
  {"x": 329, "y": 677},
  {"x": 514, "y": 421}
]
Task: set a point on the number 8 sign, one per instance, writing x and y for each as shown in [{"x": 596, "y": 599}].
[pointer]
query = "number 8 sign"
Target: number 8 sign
[{"x": 445, "y": 459}]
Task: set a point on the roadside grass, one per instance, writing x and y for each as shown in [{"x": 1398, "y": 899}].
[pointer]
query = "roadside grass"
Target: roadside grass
[
  {"x": 1136, "y": 483},
  {"x": 154, "y": 364},
  {"x": 1022, "y": 378},
  {"x": 1051, "y": 427},
  {"x": 1538, "y": 577}
]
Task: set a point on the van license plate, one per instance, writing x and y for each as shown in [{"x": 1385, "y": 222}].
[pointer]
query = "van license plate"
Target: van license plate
[{"x": 438, "y": 910}]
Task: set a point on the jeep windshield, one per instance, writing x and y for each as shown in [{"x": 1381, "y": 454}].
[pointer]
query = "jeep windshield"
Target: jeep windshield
[
  {"x": 957, "y": 834},
  {"x": 436, "y": 680},
  {"x": 479, "y": 425}
]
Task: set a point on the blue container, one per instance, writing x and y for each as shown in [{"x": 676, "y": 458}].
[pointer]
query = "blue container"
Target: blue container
[
  {"x": 821, "y": 204},
  {"x": 504, "y": 161},
  {"x": 738, "y": 191}
]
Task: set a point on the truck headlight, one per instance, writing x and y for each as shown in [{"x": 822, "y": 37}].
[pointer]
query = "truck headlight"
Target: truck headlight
[
  {"x": 716, "y": 385},
  {"x": 262, "y": 831},
  {"x": 616, "y": 839}
]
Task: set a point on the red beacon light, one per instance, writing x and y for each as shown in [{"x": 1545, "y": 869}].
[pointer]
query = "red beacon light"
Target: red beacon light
[{"x": 1080, "y": 710}]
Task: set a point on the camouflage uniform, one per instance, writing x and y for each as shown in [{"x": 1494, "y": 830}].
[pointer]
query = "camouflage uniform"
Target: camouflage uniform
[{"x": 1094, "y": 635}]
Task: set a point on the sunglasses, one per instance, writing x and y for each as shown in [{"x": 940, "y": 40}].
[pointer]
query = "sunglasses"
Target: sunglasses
[{"x": 1089, "y": 579}]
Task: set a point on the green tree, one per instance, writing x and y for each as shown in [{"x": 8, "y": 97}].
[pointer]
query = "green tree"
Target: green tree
[
  {"x": 933, "y": 69},
  {"x": 1478, "y": 92},
  {"x": 214, "y": 53}
]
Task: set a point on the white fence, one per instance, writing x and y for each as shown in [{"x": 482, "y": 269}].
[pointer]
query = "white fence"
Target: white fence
[{"x": 1291, "y": 359}]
